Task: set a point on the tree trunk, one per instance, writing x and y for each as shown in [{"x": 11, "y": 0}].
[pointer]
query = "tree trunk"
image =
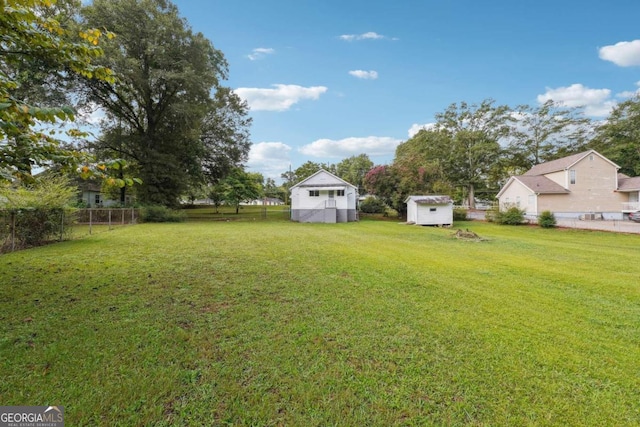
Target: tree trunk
[{"x": 471, "y": 197}]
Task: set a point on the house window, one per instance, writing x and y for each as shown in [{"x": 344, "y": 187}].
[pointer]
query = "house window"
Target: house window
[
  {"x": 97, "y": 199},
  {"x": 314, "y": 193},
  {"x": 591, "y": 157},
  {"x": 572, "y": 176},
  {"x": 518, "y": 201},
  {"x": 340, "y": 193},
  {"x": 432, "y": 209},
  {"x": 532, "y": 200}
]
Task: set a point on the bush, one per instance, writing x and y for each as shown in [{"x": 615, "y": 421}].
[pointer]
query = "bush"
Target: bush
[
  {"x": 491, "y": 214},
  {"x": 35, "y": 214},
  {"x": 373, "y": 205},
  {"x": 459, "y": 214},
  {"x": 161, "y": 214},
  {"x": 511, "y": 216},
  {"x": 547, "y": 219}
]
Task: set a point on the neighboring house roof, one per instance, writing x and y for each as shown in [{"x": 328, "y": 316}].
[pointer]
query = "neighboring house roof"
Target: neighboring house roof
[
  {"x": 628, "y": 184},
  {"x": 541, "y": 184},
  {"x": 536, "y": 184},
  {"x": 429, "y": 200},
  {"x": 563, "y": 163},
  {"x": 334, "y": 183}
]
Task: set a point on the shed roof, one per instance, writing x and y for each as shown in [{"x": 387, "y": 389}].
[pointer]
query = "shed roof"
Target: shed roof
[{"x": 430, "y": 200}]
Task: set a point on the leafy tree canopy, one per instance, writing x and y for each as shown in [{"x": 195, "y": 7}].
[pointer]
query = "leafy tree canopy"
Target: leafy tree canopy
[
  {"x": 36, "y": 47},
  {"x": 619, "y": 137},
  {"x": 161, "y": 107}
]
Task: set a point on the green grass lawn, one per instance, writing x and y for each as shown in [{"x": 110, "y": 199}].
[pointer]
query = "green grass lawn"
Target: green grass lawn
[
  {"x": 360, "y": 324},
  {"x": 245, "y": 213}
]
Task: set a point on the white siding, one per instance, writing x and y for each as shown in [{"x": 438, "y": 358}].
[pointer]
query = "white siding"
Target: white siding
[
  {"x": 434, "y": 214},
  {"x": 518, "y": 192}
]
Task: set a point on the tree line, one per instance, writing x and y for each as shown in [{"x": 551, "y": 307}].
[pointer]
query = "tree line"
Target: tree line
[
  {"x": 472, "y": 149},
  {"x": 169, "y": 122}
]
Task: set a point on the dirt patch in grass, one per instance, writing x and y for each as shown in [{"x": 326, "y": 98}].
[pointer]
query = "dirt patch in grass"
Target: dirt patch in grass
[{"x": 467, "y": 235}]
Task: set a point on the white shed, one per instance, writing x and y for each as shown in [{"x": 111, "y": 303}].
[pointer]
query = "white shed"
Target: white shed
[{"x": 429, "y": 210}]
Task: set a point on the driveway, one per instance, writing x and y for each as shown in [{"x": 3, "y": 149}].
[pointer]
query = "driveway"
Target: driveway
[{"x": 603, "y": 225}]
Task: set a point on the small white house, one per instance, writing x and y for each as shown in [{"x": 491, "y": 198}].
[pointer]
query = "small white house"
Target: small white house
[
  {"x": 323, "y": 197},
  {"x": 429, "y": 210}
]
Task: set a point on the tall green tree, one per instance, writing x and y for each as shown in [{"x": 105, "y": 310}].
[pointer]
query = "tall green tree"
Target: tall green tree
[
  {"x": 353, "y": 170},
  {"x": 38, "y": 53},
  {"x": 161, "y": 98},
  {"x": 474, "y": 150},
  {"x": 307, "y": 169},
  {"x": 421, "y": 164},
  {"x": 241, "y": 186},
  {"x": 546, "y": 132},
  {"x": 225, "y": 135},
  {"x": 618, "y": 137}
]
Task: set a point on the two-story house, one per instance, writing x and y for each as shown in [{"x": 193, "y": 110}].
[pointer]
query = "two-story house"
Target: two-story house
[{"x": 583, "y": 185}]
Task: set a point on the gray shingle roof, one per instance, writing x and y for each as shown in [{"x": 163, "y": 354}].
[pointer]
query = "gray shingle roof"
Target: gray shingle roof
[
  {"x": 430, "y": 200},
  {"x": 629, "y": 184},
  {"x": 556, "y": 165},
  {"x": 541, "y": 184}
]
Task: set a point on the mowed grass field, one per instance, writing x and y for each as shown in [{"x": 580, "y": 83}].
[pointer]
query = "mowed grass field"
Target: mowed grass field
[{"x": 360, "y": 324}]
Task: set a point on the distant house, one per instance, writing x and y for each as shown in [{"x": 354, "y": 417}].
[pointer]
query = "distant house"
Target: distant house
[
  {"x": 266, "y": 201},
  {"x": 90, "y": 195},
  {"x": 429, "y": 210},
  {"x": 585, "y": 185},
  {"x": 323, "y": 197}
]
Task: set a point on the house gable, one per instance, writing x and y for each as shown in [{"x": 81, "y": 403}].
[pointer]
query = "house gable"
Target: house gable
[
  {"x": 323, "y": 179},
  {"x": 565, "y": 163}
]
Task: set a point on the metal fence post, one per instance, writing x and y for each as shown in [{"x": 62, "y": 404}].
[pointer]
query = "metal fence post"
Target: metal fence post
[
  {"x": 13, "y": 230},
  {"x": 61, "y": 224}
]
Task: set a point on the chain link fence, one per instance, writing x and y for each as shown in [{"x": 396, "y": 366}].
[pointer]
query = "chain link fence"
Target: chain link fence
[{"x": 25, "y": 228}]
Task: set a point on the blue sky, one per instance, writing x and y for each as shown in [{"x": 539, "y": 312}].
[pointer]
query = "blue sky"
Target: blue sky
[{"x": 329, "y": 79}]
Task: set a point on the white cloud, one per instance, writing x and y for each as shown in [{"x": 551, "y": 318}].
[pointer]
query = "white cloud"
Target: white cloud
[
  {"x": 629, "y": 93},
  {"x": 596, "y": 102},
  {"x": 281, "y": 98},
  {"x": 415, "y": 128},
  {"x": 364, "y": 36},
  {"x": 362, "y": 74},
  {"x": 624, "y": 54},
  {"x": 371, "y": 145},
  {"x": 260, "y": 52},
  {"x": 269, "y": 158}
]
